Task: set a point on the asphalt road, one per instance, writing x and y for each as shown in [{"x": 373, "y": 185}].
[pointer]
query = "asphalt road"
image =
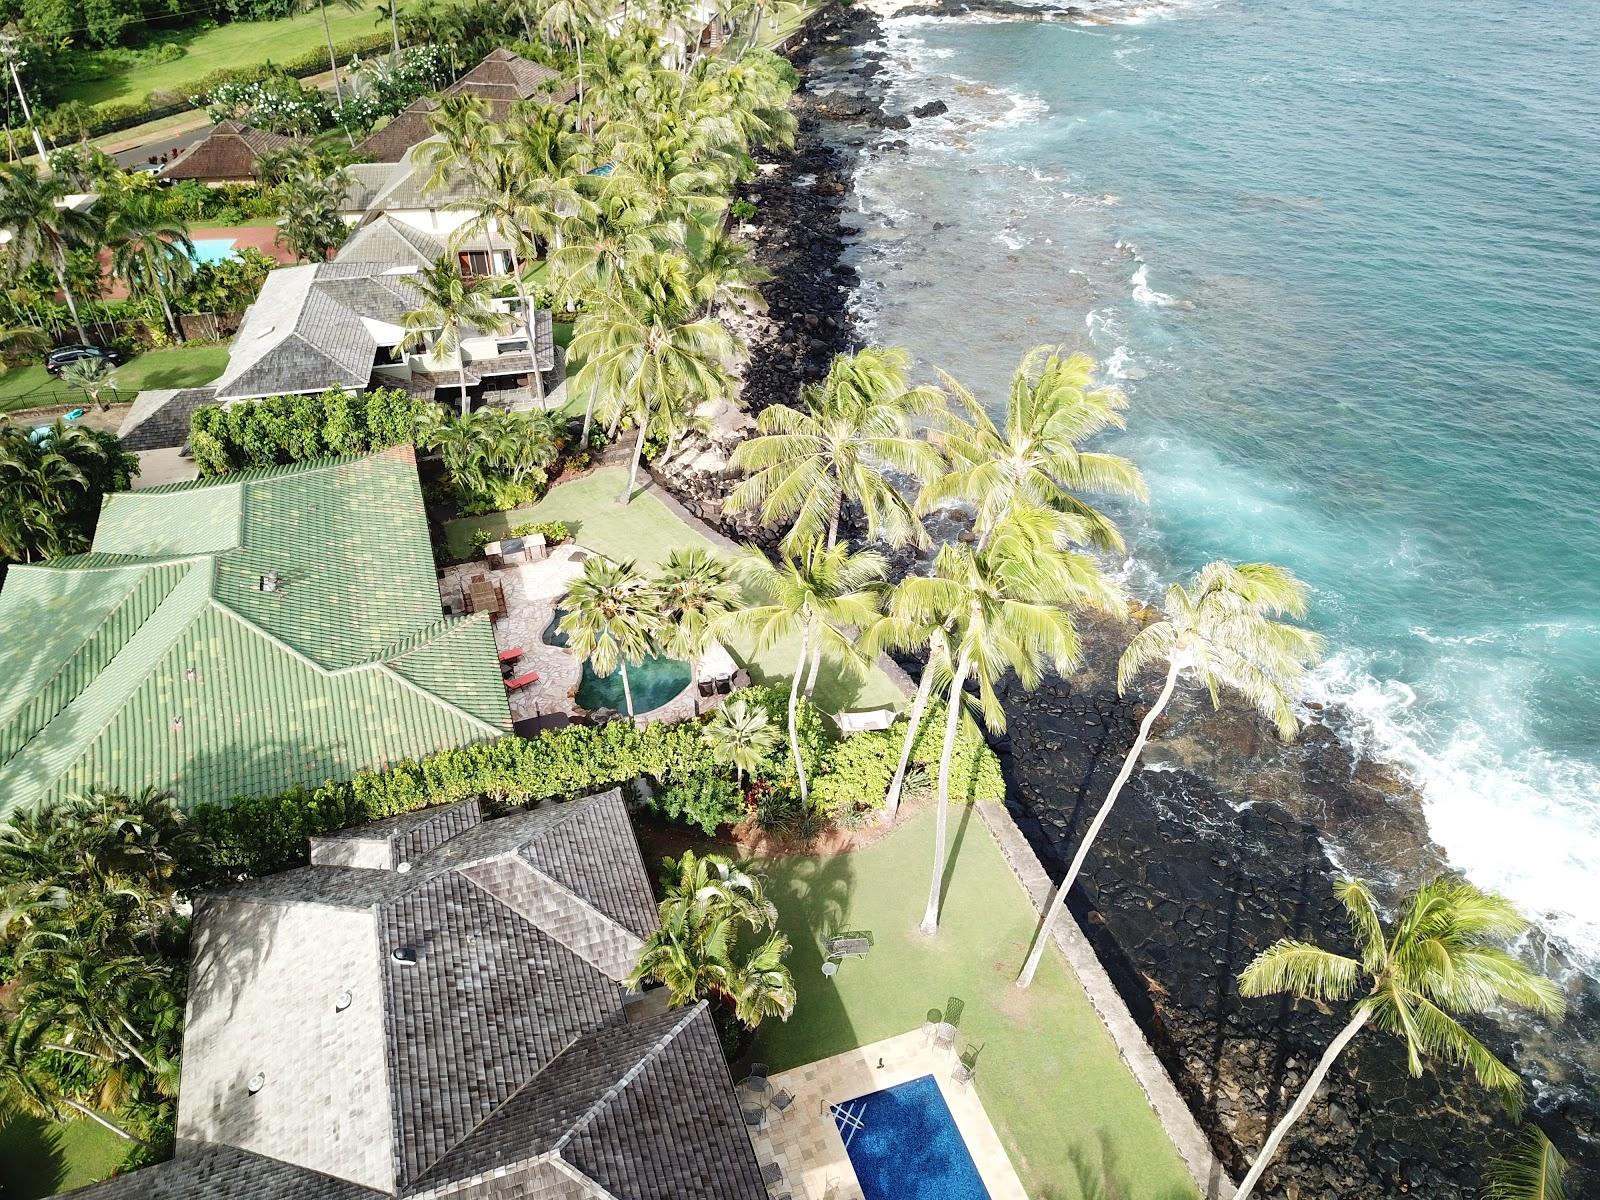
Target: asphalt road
[{"x": 164, "y": 145}]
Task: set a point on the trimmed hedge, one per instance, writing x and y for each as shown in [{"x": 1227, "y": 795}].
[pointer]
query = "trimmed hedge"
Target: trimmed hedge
[{"x": 279, "y": 430}]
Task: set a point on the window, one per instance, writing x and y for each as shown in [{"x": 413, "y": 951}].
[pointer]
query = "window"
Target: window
[
  {"x": 474, "y": 263},
  {"x": 519, "y": 346}
]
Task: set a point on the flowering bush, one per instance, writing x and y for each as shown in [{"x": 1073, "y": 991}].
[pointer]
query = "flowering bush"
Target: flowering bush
[
  {"x": 381, "y": 89},
  {"x": 278, "y": 102}
]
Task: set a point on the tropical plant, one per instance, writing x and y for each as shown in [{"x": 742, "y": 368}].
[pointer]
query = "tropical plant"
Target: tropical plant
[
  {"x": 817, "y": 594},
  {"x": 695, "y": 592},
  {"x": 1534, "y": 1170},
  {"x": 694, "y": 951},
  {"x": 1435, "y": 960},
  {"x": 448, "y": 305},
  {"x": 647, "y": 355},
  {"x": 1007, "y": 607},
  {"x": 740, "y": 736},
  {"x": 571, "y": 23},
  {"x": 150, "y": 250},
  {"x": 327, "y": 33},
  {"x": 51, "y": 487},
  {"x": 311, "y": 226},
  {"x": 807, "y": 463},
  {"x": 43, "y": 226},
  {"x": 93, "y": 377},
  {"x": 898, "y": 629},
  {"x": 611, "y": 619},
  {"x": 1221, "y": 631},
  {"x": 1032, "y": 456}
]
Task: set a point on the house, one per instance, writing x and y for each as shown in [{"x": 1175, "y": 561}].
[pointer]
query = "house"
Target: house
[
  {"x": 501, "y": 79},
  {"x": 340, "y": 324},
  {"x": 405, "y": 193},
  {"x": 230, "y": 153},
  {"x": 241, "y": 637},
  {"x": 435, "y": 1008}
]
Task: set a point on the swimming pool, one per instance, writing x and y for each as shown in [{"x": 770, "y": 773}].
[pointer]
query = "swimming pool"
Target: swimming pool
[
  {"x": 212, "y": 250},
  {"x": 654, "y": 681},
  {"x": 904, "y": 1145}
]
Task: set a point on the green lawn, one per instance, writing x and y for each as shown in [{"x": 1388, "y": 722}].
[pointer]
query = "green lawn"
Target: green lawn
[
  {"x": 186, "y": 366},
  {"x": 1073, "y": 1120},
  {"x": 38, "y": 1158},
  {"x": 646, "y": 531},
  {"x": 237, "y": 44}
]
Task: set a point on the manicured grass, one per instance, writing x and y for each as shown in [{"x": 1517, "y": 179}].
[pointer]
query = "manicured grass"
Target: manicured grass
[
  {"x": 38, "y": 1158},
  {"x": 1073, "y": 1120},
  {"x": 237, "y": 44},
  {"x": 186, "y": 366},
  {"x": 646, "y": 531}
]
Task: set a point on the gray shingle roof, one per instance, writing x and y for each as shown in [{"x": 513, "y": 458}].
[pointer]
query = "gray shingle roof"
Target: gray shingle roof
[
  {"x": 597, "y": 858},
  {"x": 224, "y": 1173},
  {"x": 159, "y": 418},
  {"x": 388, "y": 240},
  {"x": 230, "y": 151}
]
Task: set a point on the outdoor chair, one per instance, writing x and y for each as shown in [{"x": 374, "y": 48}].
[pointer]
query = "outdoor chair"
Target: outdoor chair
[
  {"x": 781, "y": 1102},
  {"x": 522, "y": 681},
  {"x": 755, "y": 1118},
  {"x": 511, "y": 655},
  {"x": 771, "y": 1174},
  {"x": 758, "y": 1071}
]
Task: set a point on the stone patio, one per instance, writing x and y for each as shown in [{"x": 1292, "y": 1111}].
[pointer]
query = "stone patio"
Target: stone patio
[{"x": 806, "y": 1145}]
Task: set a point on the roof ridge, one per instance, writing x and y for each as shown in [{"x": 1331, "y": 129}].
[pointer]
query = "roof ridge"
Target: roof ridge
[
  {"x": 628, "y": 1076},
  {"x": 449, "y": 706},
  {"x": 256, "y": 475}
]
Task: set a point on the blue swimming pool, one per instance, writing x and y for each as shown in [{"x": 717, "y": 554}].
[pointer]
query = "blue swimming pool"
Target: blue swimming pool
[
  {"x": 904, "y": 1145},
  {"x": 212, "y": 250}
]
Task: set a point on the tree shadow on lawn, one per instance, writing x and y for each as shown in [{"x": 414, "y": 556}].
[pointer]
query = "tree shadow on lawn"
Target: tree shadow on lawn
[
  {"x": 1098, "y": 1174},
  {"x": 32, "y": 1161}
]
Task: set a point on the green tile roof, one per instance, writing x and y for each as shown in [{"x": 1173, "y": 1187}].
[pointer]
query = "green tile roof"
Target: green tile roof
[{"x": 158, "y": 660}]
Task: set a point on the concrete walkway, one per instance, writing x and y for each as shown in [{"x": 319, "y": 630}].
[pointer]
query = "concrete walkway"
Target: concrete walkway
[{"x": 1185, "y": 1132}]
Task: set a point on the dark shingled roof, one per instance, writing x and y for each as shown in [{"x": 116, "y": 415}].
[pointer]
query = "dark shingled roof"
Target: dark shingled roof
[
  {"x": 230, "y": 151},
  {"x": 159, "y": 419},
  {"x": 597, "y": 858},
  {"x": 224, "y": 1173},
  {"x": 410, "y": 836}
]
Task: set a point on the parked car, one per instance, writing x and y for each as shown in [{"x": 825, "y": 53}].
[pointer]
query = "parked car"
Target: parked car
[{"x": 63, "y": 355}]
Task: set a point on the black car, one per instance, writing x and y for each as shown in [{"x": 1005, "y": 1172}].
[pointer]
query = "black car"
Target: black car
[{"x": 63, "y": 355}]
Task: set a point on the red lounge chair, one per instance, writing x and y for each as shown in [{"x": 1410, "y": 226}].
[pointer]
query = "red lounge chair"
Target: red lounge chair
[
  {"x": 511, "y": 655},
  {"x": 522, "y": 681}
]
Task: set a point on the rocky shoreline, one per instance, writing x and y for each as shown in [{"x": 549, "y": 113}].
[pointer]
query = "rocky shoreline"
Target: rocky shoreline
[{"x": 1232, "y": 843}]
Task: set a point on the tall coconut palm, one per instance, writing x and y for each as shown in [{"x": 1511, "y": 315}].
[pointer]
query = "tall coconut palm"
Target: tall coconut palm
[
  {"x": 695, "y": 592},
  {"x": 1008, "y": 609},
  {"x": 1219, "y": 630},
  {"x": 723, "y": 274},
  {"x": 572, "y": 23},
  {"x": 595, "y": 243},
  {"x": 94, "y": 377},
  {"x": 1436, "y": 960},
  {"x": 808, "y": 462},
  {"x": 818, "y": 594},
  {"x": 897, "y": 629},
  {"x": 694, "y": 951},
  {"x": 1032, "y": 456},
  {"x": 740, "y": 735},
  {"x": 327, "y": 33},
  {"x": 646, "y": 353},
  {"x": 27, "y": 1086},
  {"x": 447, "y": 306},
  {"x": 42, "y": 227},
  {"x": 150, "y": 249},
  {"x": 612, "y": 619}
]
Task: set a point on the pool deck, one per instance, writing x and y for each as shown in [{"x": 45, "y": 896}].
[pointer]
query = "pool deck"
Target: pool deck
[{"x": 806, "y": 1145}]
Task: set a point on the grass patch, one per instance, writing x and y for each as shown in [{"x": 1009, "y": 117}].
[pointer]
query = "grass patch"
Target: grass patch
[
  {"x": 647, "y": 531},
  {"x": 109, "y": 80},
  {"x": 40, "y": 1158},
  {"x": 1073, "y": 1120},
  {"x": 185, "y": 366}
]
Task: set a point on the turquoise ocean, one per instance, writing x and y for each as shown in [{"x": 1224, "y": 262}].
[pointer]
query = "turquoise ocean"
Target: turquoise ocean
[{"x": 1345, "y": 260}]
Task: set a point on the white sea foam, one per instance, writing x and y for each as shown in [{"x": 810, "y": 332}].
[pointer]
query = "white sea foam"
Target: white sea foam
[{"x": 1145, "y": 294}]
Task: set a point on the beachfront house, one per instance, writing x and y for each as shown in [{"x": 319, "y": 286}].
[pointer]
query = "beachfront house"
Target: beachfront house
[{"x": 230, "y": 153}]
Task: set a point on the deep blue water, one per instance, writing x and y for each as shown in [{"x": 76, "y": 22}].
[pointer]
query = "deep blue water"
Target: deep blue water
[
  {"x": 904, "y": 1145},
  {"x": 1345, "y": 259}
]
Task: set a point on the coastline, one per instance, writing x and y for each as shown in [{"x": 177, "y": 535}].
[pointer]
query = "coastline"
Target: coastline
[{"x": 1225, "y": 832}]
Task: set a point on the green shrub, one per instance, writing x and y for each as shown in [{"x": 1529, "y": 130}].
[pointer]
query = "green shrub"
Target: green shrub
[
  {"x": 278, "y": 430},
  {"x": 552, "y": 531},
  {"x": 500, "y": 495},
  {"x": 706, "y": 800},
  {"x": 975, "y": 773},
  {"x": 859, "y": 771}
]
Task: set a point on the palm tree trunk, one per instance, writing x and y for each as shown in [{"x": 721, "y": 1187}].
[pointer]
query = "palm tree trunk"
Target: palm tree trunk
[
  {"x": 794, "y": 711},
  {"x": 83, "y": 1110},
  {"x": 394, "y": 26},
  {"x": 633, "y": 470},
  {"x": 1058, "y": 902},
  {"x": 333, "y": 59},
  {"x": 930, "y": 918},
  {"x": 816, "y": 668},
  {"x": 66, "y": 292},
  {"x": 166, "y": 308},
  {"x": 461, "y": 373},
  {"x": 919, "y": 705},
  {"x": 627, "y": 689},
  {"x": 588, "y": 420},
  {"x": 1301, "y": 1102},
  {"x": 527, "y": 325}
]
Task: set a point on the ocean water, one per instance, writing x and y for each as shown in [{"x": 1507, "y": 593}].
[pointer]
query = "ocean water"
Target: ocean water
[{"x": 1345, "y": 259}]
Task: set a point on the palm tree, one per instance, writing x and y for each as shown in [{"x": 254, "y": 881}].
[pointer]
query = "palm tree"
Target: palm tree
[
  {"x": 1436, "y": 960},
  {"x": 91, "y": 376},
  {"x": 897, "y": 630},
  {"x": 27, "y": 1086},
  {"x": 1219, "y": 630},
  {"x": 611, "y": 619},
  {"x": 447, "y": 306},
  {"x": 740, "y": 735},
  {"x": 311, "y": 225},
  {"x": 595, "y": 243},
  {"x": 150, "y": 249},
  {"x": 1535, "y": 1170},
  {"x": 646, "y": 354},
  {"x": 1007, "y": 608},
  {"x": 389, "y": 11},
  {"x": 695, "y": 593},
  {"x": 327, "y": 33},
  {"x": 818, "y": 593},
  {"x": 1033, "y": 456},
  {"x": 43, "y": 228},
  {"x": 571, "y": 22},
  {"x": 808, "y": 462},
  {"x": 693, "y": 951}
]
